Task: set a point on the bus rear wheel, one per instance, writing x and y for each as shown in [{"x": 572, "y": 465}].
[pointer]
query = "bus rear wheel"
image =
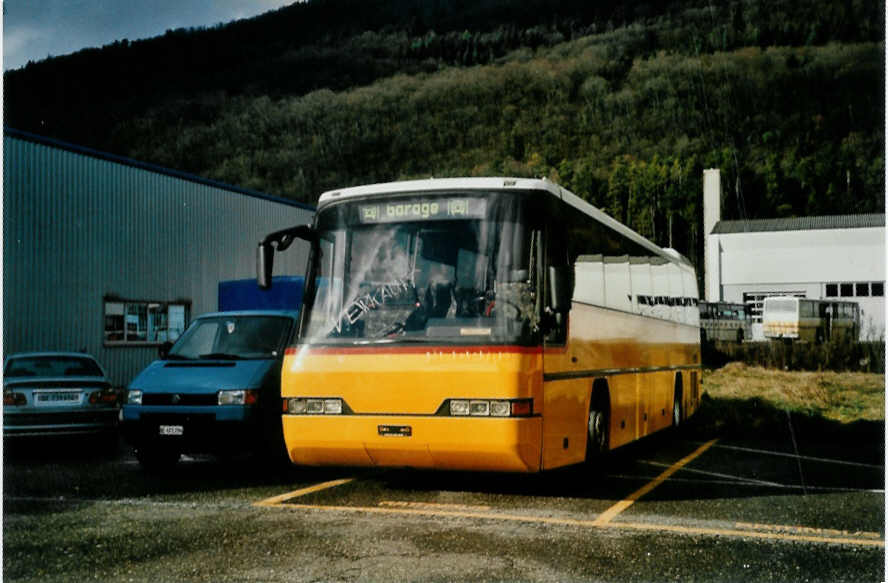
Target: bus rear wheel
[
  {"x": 677, "y": 414},
  {"x": 597, "y": 439}
]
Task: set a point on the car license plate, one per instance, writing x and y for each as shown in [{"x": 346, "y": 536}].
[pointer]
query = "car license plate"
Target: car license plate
[
  {"x": 172, "y": 430},
  {"x": 57, "y": 398}
]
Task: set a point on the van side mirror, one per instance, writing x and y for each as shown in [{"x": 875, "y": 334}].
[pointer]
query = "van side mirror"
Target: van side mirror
[
  {"x": 164, "y": 350},
  {"x": 278, "y": 241}
]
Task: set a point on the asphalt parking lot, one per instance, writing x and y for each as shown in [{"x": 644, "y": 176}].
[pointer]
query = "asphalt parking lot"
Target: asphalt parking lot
[{"x": 685, "y": 506}]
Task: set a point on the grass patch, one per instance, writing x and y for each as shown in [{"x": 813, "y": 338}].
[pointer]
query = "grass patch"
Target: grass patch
[{"x": 844, "y": 397}]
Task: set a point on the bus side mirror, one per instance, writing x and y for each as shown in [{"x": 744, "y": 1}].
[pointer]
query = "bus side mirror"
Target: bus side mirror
[
  {"x": 264, "y": 265},
  {"x": 278, "y": 241},
  {"x": 560, "y": 288}
]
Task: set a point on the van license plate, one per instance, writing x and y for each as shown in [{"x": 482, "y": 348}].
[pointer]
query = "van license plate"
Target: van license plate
[{"x": 172, "y": 430}]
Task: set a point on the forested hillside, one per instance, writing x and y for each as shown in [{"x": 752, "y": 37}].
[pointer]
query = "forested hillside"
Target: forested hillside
[{"x": 623, "y": 103}]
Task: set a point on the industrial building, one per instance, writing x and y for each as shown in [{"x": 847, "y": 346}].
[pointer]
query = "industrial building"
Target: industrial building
[
  {"x": 813, "y": 257},
  {"x": 113, "y": 257}
]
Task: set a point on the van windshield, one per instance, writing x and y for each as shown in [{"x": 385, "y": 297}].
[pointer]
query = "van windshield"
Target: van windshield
[
  {"x": 447, "y": 268},
  {"x": 233, "y": 338}
]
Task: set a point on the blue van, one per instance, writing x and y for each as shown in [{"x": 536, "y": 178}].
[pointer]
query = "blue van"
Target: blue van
[{"x": 216, "y": 390}]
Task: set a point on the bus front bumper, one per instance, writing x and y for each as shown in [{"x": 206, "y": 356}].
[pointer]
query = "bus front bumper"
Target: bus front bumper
[{"x": 482, "y": 444}]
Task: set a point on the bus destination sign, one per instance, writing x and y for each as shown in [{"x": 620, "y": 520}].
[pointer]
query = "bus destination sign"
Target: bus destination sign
[{"x": 437, "y": 209}]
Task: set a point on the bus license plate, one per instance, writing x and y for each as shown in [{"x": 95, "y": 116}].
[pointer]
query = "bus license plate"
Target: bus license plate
[
  {"x": 172, "y": 430},
  {"x": 395, "y": 430}
]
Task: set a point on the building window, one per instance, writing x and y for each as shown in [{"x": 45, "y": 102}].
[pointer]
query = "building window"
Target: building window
[
  {"x": 861, "y": 290},
  {"x": 832, "y": 290},
  {"x": 130, "y": 322},
  {"x": 878, "y": 288},
  {"x": 846, "y": 290}
]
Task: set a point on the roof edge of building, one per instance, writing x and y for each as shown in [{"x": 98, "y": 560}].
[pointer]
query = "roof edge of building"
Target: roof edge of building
[
  {"x": 83, "y": 150},
  {"x": 812, "y": 223}
]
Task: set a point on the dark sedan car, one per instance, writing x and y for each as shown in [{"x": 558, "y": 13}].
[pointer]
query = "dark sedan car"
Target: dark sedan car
[{"x": 57, "y": 393}]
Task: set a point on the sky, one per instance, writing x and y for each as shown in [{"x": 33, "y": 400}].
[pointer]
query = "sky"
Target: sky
[{"x": 36, "y": 29}]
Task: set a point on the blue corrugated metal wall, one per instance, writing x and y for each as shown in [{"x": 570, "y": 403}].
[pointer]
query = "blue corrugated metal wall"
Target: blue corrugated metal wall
[{"x": 78, "y": 227}]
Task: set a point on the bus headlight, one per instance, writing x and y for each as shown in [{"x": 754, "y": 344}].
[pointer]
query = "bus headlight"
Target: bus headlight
[
  {"x": 500, "y": 409},
  {"x": 479, "y": 408},
  {"x": 459, "y": 407},
  {"x": 487, "y": 408},
  {"x": 304, "y": 406}
]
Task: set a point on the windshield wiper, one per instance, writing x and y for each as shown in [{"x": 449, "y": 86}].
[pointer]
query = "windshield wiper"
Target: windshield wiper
[
  {"x": 177, "y": 357},
  {"x": 220, "y": 356}
]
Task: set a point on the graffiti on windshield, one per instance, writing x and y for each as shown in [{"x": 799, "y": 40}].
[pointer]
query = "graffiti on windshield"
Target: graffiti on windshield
[{"x": 371, "y": 301}]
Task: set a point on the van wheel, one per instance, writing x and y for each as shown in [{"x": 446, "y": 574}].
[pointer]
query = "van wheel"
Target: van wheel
[{"x": 157, "y": 459}]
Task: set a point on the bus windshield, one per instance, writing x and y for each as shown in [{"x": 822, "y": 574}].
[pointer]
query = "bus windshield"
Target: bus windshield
[
  {"x": 437, "y": 268},
  {"x": 782, "y": 307}
]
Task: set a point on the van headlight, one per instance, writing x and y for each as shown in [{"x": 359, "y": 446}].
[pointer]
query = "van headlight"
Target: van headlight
[
  {"x": 238, "y": 397},
  {"x": 134, "y": 397}
]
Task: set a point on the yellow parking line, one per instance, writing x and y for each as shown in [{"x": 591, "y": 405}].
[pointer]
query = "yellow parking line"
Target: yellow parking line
[
  {"x": 868, "y": 539},
  {"x": 808, "y": 530},
  {"x": 740, "y": 530},
  {"x": 276, "y": 500},
  {"x": 609, "y": 514}
]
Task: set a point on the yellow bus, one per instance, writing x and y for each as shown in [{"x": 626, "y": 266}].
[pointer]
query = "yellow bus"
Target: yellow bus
[
  {"x": 495, "y": 324},
  {"x": 791, "y": 318}
]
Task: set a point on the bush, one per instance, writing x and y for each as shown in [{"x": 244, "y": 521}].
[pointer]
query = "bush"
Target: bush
[{"x": 837, "y": 355}]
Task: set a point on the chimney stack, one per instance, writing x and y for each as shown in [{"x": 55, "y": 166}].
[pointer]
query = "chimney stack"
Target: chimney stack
[{"x": 712, "y": 197}]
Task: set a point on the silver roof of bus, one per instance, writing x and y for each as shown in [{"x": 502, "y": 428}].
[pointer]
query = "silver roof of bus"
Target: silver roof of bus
[{"x": 495, "y": 183}]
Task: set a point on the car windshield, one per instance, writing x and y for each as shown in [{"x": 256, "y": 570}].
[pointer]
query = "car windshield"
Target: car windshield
[
  {"x": 448, "y": 268},
  {"x": 233, "y": 337},
  {"x": 52, "y": 366}
]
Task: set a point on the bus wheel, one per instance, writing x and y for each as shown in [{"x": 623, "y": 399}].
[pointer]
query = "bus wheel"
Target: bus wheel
[
  {"x": 739, "y": 336},
  {"x": 597, "y": 427},
  {"x": 597, "y": 434},
  {"x": 676, "y": 408}
]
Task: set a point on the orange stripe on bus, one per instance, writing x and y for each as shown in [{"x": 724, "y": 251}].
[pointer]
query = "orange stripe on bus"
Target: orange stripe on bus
[{"x": 424, "y": 349}]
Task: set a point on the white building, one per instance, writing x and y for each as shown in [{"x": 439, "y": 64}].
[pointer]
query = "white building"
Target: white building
[{"x": 814, "y": 257}]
